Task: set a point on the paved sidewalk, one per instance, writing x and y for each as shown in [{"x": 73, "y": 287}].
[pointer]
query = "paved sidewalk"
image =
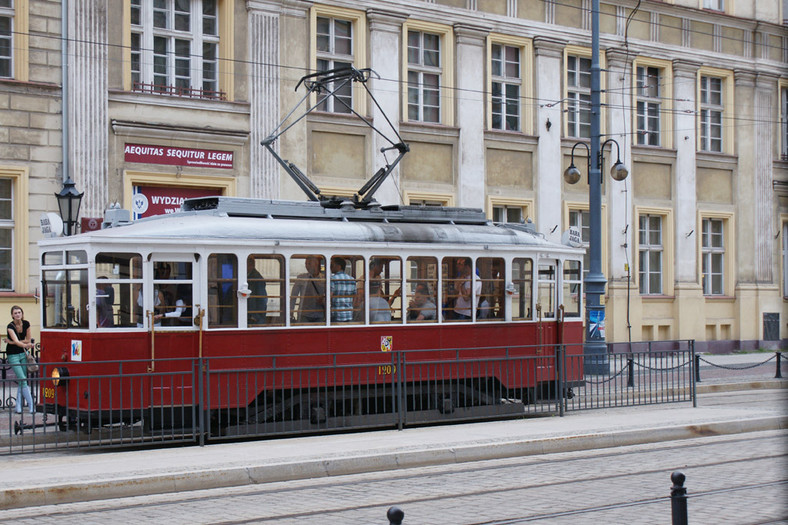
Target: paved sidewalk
[{"x": 79, "y": 475}]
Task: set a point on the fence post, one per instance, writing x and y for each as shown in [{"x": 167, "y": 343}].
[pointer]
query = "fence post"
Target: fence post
[
  {"x": 395, "y": 516},
  {"x": 778, "y": 374},
  {"x": 678, "y": 499},
  {"x": 630, "y": 372},
  {"x": 697, "y": 368}
]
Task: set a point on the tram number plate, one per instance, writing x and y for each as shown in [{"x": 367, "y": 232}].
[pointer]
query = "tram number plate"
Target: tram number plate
[
  {"x": 49, "y": 393},
  {"x": 386, "y": 370}
]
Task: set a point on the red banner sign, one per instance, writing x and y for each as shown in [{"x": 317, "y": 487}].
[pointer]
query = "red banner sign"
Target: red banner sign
[
  {"x": 196, "y": 158},
  {"x": 157, "y": 200}
]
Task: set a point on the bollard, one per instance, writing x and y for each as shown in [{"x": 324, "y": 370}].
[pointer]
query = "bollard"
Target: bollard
[
  {"x": 395, "y": 516},
  {"x": 630, "y": 373},
  {"x": 697, "y": 368},
  {"x": 779, "y": 373},
  {"x": 678, "y": 499}
]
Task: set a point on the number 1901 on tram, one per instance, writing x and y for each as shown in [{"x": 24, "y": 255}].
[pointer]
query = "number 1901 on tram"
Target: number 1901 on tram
[{"x": 273, "y": 293}]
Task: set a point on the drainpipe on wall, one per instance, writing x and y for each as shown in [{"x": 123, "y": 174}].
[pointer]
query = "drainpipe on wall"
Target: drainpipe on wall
[{"x": 64, "y": 90}]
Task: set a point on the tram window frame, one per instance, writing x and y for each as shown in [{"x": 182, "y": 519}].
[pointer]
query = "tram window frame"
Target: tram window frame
[
  {"x": 272, "y": 285},
  {"x": 491, "y": 304},
  {"x": 63, "y": 283},
  {"x": 343, "y": 309},
  {"x": 222, "y": 290},
  {"x": 118, "y": 276},
  {"x": 383, "y": 284},
  {"x": 450, "y": 288},
  {"x": 572, "y": 288},
  {"x": 168, "y": 288},
  {"x": 301, "y": 278},
  {"x": 543, "y": 267},
  {"x": 421, "y": 271},
  {"x": 523, "y": 281}
]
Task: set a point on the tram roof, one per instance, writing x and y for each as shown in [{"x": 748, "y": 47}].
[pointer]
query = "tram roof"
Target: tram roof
[{"x": 235, "y": 219}]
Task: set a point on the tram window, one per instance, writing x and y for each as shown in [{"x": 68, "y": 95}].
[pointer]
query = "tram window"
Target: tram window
[
  {"x": 117, "y": 274},
  {"x": 66, "y": 298},
  {"x": 522, "y": 279},
  {"x": 490, "y": 271},
  {"x": 345, "y": 280},
  {"x": 222, "y": 288},
  {"x": 308, "y": 289},
  {"x": 265, "y": 278},
  {"x": 52, "y": 258},
  {"x": 546, "y": 287},
  {"x": 385, "y": 290},
  {"x": 421, "y": 285},
  {"x": 76, "y": 257},
  {"x": 460, "y": 291},
  {"x": 573, "y": 288}
]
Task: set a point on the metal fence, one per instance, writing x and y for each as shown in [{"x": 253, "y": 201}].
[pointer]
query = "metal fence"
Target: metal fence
[{"x": 194, "y": 400}]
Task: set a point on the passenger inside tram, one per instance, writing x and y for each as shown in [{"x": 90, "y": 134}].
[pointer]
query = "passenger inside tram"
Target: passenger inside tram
[
  {"x": 307, "y": 299},
  {"x": 343, "y": 291},
  {"x": 421, "y": 307}
]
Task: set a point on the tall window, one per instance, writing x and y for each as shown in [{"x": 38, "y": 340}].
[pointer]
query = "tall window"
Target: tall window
[
  {"x": 650, "y": 254},
  {"x": 711, "y": 111},
  {"x": 713, "y": 254},
  {"x": 784, "y": 120},
  {"x": 6, "y": 38},
  {"x": 424, "y": 76},
  {"x": 335, "y": 50},
  {"x": 6, "y": 234},
  {"x": 581, "y": 220},
  {"x": 506, "y": 87},
  {"x": 649, "y": 105},
  {"x": 578, "y": 81},
  {"x": 175, "y": 47}
]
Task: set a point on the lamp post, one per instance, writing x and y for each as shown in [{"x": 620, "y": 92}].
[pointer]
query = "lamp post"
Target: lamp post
[{"x": 68, "y": 201}]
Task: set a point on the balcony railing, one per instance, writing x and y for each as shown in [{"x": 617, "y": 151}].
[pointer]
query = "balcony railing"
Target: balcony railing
[{"x": 175, "y": 91}]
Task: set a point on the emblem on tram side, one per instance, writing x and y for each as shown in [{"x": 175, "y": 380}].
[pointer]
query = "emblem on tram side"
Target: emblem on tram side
[{"x": 386, "y": 343}]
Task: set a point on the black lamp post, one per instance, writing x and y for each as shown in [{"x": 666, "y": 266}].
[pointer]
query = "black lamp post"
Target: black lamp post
[
  {"x": 595, "y": 349},
  {"x": 68, "y": 201}
]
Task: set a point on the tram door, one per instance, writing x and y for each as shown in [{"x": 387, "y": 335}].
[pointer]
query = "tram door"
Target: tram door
[{"x": 170, "y": 294}]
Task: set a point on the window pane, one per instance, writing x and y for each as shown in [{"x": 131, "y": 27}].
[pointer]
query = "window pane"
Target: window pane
[
  {"x": 222, "y": 290},
  {"x": 546, "y": 288},
  {"x": 422, "y": 279},
  {"x": 522, "y": 278},
  {"x": 460, "y": 292},
  {"x": 265, "y": 281},
  {"x": 491, "y": 305},
  {"x": 308, "y": 289}
]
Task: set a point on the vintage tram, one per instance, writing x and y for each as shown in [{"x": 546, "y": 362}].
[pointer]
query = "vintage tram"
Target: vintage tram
[{"x": 256, "y": 281}]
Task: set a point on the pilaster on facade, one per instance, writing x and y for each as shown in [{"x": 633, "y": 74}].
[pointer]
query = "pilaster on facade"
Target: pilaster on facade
[
  {"x": 765, "y": 89},
  {"x": 745, "y": 184},
  {"x": 685, "y": 73},
  {"x": 264, "y": 57},
  {"x": 619, "y": 194},
  {"x": 87, "y": 118},
  {"x": 385, "y": 30},
  {"x": 548, "y": 71},
  {"x": 470, "y": 114}
]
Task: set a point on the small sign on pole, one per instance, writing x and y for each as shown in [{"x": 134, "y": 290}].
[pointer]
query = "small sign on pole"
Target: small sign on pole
[
  {"x": 572, "y": 237},
  {"x": 51, "y": 225}
]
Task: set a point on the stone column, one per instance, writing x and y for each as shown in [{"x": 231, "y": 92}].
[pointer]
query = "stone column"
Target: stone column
[
  {"x": 88, "y": 104},
  {"x": 264, "y": 96},
  {"x": 689, "y": 302},
  {"x": 385, "y": 30},
  {"x": 548, "y": 182},
  {"x": 765, "y": 89},
  {"x": 469, "y": 103}
]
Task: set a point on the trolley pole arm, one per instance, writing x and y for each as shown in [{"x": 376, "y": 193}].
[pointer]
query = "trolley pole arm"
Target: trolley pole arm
[
  {"x": 306, "y": 185},
  {"x": 374, "y": 183}
]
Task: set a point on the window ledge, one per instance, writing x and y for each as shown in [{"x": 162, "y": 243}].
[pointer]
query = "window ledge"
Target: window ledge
[
  {"x": 720, "y": 298},
  {"x": 657, "y": 298},
  {"x": 16, "y": 294}
]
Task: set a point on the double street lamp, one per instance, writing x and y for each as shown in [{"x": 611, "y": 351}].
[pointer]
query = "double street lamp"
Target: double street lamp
[{"x": 595, "y": 348}]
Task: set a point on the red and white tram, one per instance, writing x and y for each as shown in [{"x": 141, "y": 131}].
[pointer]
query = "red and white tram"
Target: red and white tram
[{"x": 298, "y": 280}]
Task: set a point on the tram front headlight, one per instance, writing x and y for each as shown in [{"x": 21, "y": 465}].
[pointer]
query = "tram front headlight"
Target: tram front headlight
[{"x": 59, "y": 375}]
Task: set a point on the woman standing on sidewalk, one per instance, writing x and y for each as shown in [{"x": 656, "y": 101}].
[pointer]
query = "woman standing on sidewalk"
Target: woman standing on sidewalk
[{"x": 17, "y": 342}]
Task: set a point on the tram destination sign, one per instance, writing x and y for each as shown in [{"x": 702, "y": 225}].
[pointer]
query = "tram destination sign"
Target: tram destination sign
[{"x": 192, "y": 157}]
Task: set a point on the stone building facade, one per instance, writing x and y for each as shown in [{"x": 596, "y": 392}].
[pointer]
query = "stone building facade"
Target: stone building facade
[{"x": 166, "y": 99}]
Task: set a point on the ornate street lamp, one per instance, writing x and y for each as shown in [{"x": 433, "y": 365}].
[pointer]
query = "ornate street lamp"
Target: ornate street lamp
[
  {"x": 68, "y": 201},
  {"x": 595, "y": 349}
]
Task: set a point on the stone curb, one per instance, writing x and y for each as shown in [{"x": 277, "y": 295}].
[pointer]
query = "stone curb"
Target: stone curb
[{"x": 318, "y": 468}]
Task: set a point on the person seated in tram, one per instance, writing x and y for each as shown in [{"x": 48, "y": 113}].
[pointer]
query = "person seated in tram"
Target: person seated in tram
[
  {"x": 309, "y": 292},
  {"x": 421, "y": 307},
  {"x": 105, "y": 298},
  {"x": 180, "y": 313},
  {"x": 464, "y": 302},
  {"x": 343, "y": 290},
  {"x": 379, "y": 308},
  {"x": 257, "y": 304}
]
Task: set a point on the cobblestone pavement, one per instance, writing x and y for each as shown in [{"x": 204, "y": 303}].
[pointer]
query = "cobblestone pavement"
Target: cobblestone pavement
[{"x": 734, "y": 479}]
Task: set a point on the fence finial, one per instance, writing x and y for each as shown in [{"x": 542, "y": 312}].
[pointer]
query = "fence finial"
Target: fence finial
[{"x": 395, "y": 516}]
